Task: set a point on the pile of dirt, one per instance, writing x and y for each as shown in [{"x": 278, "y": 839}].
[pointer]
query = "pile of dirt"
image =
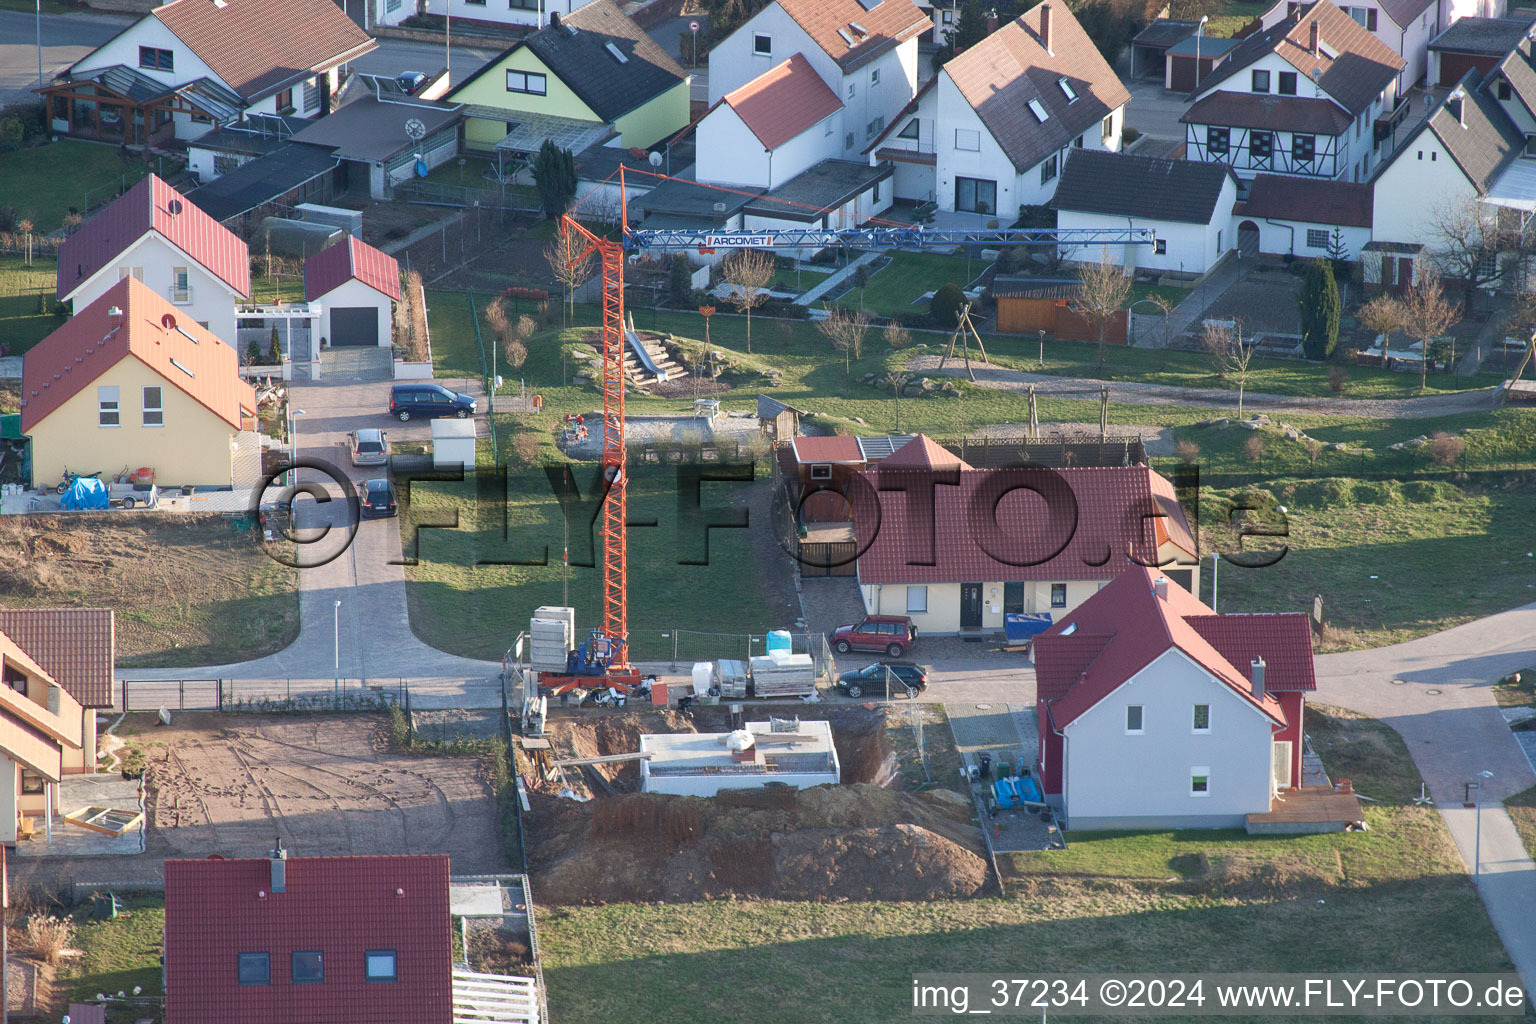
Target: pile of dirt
[
  {"x": 602, "y": 734},
  {"x": 831, "y": 842}
]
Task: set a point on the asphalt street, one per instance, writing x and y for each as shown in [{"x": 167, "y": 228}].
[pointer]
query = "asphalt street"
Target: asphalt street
[{"x": 66, "y": 38}]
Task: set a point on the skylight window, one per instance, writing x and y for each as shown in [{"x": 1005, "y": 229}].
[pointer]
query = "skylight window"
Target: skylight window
[
  {"x": 616, "y": 53},
  {"x": 843, "y": 33},
  {"x": 1067, "y": 90},
  {"x": 860, "y": 29},
  {"x": 177, "y": 363},
  {"x": 1036, "y": 108},
  {"x": 186, "y": 334}
]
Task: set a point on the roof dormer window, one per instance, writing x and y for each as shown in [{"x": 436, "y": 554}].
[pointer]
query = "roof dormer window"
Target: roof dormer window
[
  {"x": 1067, "y": 90},
  {"x": 1038, "y": 109}
]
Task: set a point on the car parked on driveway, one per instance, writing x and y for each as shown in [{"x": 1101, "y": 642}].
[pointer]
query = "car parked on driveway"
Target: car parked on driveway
[
  {"x": 891, "y": 634},
  {"x": 368, "y": 447},
  {"x": 906, "y": 677},
  {"x": 376, "y": 499},
  {"x": 425, "y": 400}
]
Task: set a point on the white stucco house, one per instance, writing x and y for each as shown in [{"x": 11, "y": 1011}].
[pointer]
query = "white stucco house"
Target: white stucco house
[
  {"x": 191, "y": 65},
  {"x": 959, "y": 577},
  {"x": 1472, "y": 156},
  {"x": 866, "y": 53},
  {"x": 1404, "y": 26},
  {"x": 1305, "y": 97},
  {"x": 1155, "y": 712},
  {"x": 356, "y": 287},
  {"x": 1302, "y": 217},
  {"x": 1187, "y": 205},
  {"x": 989, "y": 133},
  {"x": 532, "y": 13},
  {"x": 155, "y": 234},
  {"x": 765, "y": 132}
]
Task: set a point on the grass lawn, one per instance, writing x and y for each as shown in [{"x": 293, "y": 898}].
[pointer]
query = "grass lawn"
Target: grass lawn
[
  {"x": 1522, "y": 811},
  {"x": 277, "y": 289},
  {"x": 1517, "y": 690},
  {"x": 1394, "y": 898},
  {"x": 895, "y": 288},
  {"x": 44, "y": 183},
  {"x": 1391, "y": 560},
  {"x": 21, "y": 325},
  {"x": 118, "y": 955},
  {"x": 1233, "y": 17},
  {"x": 188, "y": 589},
  {"x": 463, "y": 596},
  {"x": 796, "y": 280},
  {"x": 1173, "y": 296}
]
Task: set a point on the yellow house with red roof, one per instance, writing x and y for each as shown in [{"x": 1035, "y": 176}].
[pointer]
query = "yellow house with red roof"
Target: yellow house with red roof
[{"x": 129, "y": 381}]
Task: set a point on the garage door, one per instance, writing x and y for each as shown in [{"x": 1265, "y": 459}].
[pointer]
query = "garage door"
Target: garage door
[{"x": 354, "y": 325}]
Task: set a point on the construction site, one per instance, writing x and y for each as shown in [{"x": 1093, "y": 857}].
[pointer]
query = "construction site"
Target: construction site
[{"x": 594, "y": 837}]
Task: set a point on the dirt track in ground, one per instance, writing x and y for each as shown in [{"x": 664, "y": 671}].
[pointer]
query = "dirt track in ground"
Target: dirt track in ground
[{"x": 328, "y": 784}]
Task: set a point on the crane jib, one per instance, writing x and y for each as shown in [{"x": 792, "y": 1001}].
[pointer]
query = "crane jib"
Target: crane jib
[{"x": 873, "y": 237}]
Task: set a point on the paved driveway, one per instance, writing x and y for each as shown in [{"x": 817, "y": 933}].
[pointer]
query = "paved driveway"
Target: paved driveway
[{"x": 66, "y": 38}]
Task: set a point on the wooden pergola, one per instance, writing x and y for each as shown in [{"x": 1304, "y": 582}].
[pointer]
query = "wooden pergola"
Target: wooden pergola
[{"x": 120, "y": 105}]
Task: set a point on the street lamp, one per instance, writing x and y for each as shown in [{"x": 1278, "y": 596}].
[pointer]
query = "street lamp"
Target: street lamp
[
  {"x": 1477, "y": 843},
  {"x": 293, "y": 440},
  {"x": 39, "y": 43},
  {"x": 1199, "y": 34},
  {"x": 1042, "y": 347},
  {"x": 336, "y": 700}
]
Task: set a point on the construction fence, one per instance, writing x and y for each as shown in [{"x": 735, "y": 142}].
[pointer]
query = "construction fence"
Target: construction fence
[
  {"x": 689, "y": 646},
  {"x": 133, "y": 695}
]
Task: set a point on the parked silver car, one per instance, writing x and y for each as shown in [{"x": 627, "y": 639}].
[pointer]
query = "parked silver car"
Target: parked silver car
[{"x": 369, "y": 447}]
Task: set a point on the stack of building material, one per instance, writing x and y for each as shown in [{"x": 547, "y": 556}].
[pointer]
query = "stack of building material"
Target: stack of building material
[
  {"x": 551, "y": 635},
  {"x": 731, "y": 677},
  {"x": 783, "y": 675}
]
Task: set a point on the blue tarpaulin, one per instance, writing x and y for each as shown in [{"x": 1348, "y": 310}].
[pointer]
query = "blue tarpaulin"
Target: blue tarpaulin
[{"x": 86, "y": 492}]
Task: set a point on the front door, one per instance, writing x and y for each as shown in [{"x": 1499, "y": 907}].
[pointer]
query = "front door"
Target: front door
[{"x": 970, "y": 606}]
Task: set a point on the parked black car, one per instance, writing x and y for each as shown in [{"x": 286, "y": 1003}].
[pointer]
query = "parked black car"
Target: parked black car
[
  {"x": 425, "y": 399},
  {"x": 376, "y": 499},
  {"x": 871, "y": 679}
]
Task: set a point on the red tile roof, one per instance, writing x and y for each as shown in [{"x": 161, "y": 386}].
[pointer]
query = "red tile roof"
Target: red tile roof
[
  {"x": 188, "y": 356},
  {"x": 258, "y": 46},
  {"x": 340, "y": 906},
  {"x": 887, "y": 24},
  {"x": 783, "y": 101},
  {"x": 152, "y": 205},
  {"x": 76, "y": 646},
  {"x": 828, "y": 449},
  {"x": 348, "y": 259},
  {"x": 1115, "y": 509},
  {"x": 1314, "y": 201},
  {"x": 1136, "y": 627},
  {"x": 1284, "y": 641},
  {"x": 922, "y": 453}
]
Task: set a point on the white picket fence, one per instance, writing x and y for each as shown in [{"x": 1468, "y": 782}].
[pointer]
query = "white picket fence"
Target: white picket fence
[{"x": 494, "y": 999}]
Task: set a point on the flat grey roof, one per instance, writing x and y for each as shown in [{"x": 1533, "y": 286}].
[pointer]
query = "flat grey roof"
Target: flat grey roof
[
  {"x": 262, "y": 180},
  {"x": 372, "y": 130},
  {"x": 822, "y": 189}
]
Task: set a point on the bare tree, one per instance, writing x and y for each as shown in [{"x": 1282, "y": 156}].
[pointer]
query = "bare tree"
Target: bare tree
[
  {"x": 1105, "y": 289},
  {"x": 570, "y": 265},
  {"x": 1427, "y": 315},
  {"x": 896, "y": 380},
  {"x": 1381, "y": 316},
  {"x": 748, "y": 274},
  {"x": 845, "y": 329},
  {"x": 1480, "y": 246},
  {"x": 1229, "y": 354},
  {"x": 897, "y": 337},
  {"x": 1445, "y": 448}
]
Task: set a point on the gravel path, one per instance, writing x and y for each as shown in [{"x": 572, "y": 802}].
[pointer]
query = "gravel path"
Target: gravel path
[{"x": 1001, "y": 378}]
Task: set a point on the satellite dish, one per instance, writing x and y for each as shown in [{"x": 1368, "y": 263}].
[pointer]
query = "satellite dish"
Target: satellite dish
[
  {"x": 173, "y": 207},
  {"x": 416, "y": 128},
  {"x": 654, "y": 159}
]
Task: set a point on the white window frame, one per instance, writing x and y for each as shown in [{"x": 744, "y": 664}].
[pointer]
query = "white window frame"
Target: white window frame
[
  {"x": 181, "y": 285},
  {"x": 874, "y": 77},
  {"x": 109, "y": 402},
  {"x": 1141, "y": 720},
  {"x": 1194, "y": 719},
  {"x": 821, "y": 471},
  {"x": 157, "y": 410},
  {"x": 919, "y": 606},
  {"x": 1313, "y": 243},
  {"x": 1038, "y": 110},
  {"x": 1196, "y": 774},
  {"x": 758, "y": 51},
  {"x": 968, "y": 135},
  {"x": 527, "y": 78}
]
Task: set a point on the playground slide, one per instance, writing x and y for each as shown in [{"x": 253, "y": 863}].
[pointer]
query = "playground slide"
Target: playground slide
[{"x": 645, "y": 357}]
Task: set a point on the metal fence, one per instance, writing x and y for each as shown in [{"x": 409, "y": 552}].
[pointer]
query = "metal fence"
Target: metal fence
[
  {"x": 689, "y": 646},
  {"x": 254, "y": 695}
]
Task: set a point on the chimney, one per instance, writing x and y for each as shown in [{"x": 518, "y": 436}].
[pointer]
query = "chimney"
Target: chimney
[
  {"x": 279, "y": 867},
  {"x": 1160, "y": 587},
  {"x": 1256, "y": 671},
  {"x": 554, "y": 19},
  {"x": 1316, "y": 40},
  {"x": 1045, "y": 28},
  {"x": 1454, "y": 103},
  {"x": 114, "y": 318}
]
